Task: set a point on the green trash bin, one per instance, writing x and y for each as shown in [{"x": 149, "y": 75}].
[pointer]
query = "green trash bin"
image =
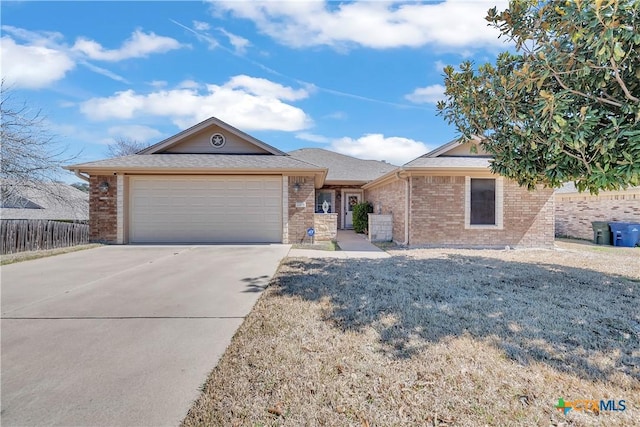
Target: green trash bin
[{"x": 601, "y": 233}]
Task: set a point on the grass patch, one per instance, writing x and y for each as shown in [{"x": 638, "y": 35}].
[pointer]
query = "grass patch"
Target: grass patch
[
  {"x": 435, "y": 337},
  {"x": 26, "y": 256},
  {"x": 319, "y": 246}
]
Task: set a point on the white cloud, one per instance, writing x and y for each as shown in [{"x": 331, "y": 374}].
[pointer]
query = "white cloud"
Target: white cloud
[
  {"x": 240, "y": 44},
  {"x": 266, "y": 88},
  {"x": 188, "y": 84},
  {"x": 201, "y": 26},
  {"x": 439, "y": 66},
  {"x": 379, "y": 25},
  {"x": 139, "y": 45},
  {"x": 312, "y": 137},
  {"x": 375, "y": 146},
  {"x": 32, "y": 66},
  {"x": 427, "y": 95},
  {"x": 157, "y": 83},
  {"x": 245, "y": 102},
  {"x": 134, "y": 132},
  {"x": 44, "y": 58},
  {"x": 104, "y": 72}
]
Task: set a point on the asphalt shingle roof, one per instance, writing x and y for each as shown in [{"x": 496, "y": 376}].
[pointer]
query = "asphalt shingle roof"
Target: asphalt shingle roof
[
  {"x": 197, "y": 161},
  {"x": 569, "y": 187},
  {"x": 342, "y": 167},
  {"x": 47, "y": 201},
  {"x": 449, "y": 162}
]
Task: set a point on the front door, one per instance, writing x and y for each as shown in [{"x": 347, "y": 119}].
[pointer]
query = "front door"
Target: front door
[{"x": 351, "y": 199}]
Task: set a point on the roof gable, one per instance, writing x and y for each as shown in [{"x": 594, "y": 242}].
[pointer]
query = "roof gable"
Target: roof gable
[
  {"x": 456, "y": 148},
  {"x": 197, "y": 140}
]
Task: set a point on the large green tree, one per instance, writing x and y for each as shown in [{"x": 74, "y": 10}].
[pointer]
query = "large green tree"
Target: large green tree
[{"x": 565, "y": 106}]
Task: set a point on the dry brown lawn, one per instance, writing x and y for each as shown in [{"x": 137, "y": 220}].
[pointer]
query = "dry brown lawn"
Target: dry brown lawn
[{"x": 436, "y": 337}]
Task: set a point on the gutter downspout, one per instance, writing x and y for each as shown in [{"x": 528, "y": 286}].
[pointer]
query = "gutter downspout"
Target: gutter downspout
[
  {"x": 80, "y": 175},
  {"x": 406, "y": 206}
]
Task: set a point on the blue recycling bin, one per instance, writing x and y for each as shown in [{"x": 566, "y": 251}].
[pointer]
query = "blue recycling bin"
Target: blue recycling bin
[{"x": 625, "y": 234}]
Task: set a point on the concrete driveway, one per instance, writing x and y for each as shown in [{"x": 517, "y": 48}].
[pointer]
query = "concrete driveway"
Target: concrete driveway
[{"x": 122, "y": 335}]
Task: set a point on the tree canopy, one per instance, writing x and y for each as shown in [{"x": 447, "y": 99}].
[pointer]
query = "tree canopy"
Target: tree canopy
[{"x": 565, "y": 106}]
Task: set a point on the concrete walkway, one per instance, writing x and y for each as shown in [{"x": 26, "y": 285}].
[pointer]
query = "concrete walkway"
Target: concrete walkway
[{"x": 352, "y": 245}]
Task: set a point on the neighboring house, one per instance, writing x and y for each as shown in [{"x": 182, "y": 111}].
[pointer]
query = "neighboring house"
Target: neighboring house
[
  {"x": 50, "y": 201},
  {"x": 342, "y": 187},
  {"x": 449, "y": 197},
  {"x": 214, "y": 183},
  {"x": 575, "y": 211}
]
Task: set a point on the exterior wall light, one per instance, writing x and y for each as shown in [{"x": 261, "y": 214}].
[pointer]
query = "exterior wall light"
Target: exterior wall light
[
  {"x": 103, "y": 187},
  {"x": 296, "y": 187}
]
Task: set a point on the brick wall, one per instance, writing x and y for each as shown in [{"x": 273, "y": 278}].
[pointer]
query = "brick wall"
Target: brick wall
[
  {"x": 575, "y": 212},
  {"x": 300, "y": 218},
  {"x": 103, "y": 220},
  {"x": 326, "y": 226},
  {"x": 391, "y": 197},
  {"x": 380, "y": 228},
  {"x": 438, "y": 215}
]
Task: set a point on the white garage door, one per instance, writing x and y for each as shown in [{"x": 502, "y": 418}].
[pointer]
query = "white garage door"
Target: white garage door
[{"x": 216, "y": 209}]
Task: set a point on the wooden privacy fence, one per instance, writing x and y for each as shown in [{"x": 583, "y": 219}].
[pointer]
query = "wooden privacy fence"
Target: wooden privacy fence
[{"x": 19, "y": 235}]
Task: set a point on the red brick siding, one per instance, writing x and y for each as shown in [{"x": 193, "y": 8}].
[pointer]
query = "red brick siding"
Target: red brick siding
[
  {"x": 391, "y": 197},
  {"x": 103, "y": 219},
  {"x": 437, "y": 215},
  {"x": 574, "y": 213},
  {"x": 300, "y": 219}
]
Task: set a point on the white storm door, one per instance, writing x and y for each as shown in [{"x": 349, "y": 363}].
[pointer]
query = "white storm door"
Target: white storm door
[{"x": 351, "y": 199}]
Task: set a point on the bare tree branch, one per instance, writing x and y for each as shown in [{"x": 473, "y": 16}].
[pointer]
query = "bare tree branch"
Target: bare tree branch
[
  {"x": 29, "y": 154},
  {"x": 124, "y": 147}
]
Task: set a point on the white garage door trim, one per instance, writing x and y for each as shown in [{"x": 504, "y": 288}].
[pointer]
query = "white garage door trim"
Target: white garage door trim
[{"x": 205, "y": 209}]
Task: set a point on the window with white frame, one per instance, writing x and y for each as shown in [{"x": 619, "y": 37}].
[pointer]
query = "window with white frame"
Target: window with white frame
[
  {"x": 483, "y": 202},
  {"x": 321, "y": 197}
]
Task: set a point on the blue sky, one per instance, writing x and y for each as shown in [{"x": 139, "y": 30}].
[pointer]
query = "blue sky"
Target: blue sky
[{"x": 360, "y": 78}]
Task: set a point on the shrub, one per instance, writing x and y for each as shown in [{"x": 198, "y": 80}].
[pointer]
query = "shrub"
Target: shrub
[{"x": 360, "y": 217}]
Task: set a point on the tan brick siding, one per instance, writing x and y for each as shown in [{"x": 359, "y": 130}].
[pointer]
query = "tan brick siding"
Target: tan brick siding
[
  {"x": 437, "y": 216},
  {"x": 391, "y": 197},
  {"x": 103, "y": 221},
  {"x": 575, "y": 212},
  {"x": 300, "y": 219},
  {"x": 326, "y": 226}
]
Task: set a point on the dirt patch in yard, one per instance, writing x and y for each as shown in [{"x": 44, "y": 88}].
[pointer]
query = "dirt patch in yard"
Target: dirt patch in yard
[{"x": 436, "y": 337}]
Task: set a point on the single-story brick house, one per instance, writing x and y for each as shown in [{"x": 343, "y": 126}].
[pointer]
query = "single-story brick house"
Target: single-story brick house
[{"x": 214, "y": 183}]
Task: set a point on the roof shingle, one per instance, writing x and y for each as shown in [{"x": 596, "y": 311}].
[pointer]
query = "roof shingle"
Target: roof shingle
[
  {"x": 197, "y": 161},
  {"x": 342, "y": 167}
]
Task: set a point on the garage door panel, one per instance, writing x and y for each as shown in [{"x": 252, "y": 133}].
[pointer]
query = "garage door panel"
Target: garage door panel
[{"x": 205, "y": 209}]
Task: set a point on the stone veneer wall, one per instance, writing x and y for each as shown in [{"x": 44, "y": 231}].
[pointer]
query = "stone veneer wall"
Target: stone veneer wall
[
  {"x": 438, "y": 215},
  {"x": 325, "y": 226},
  {"x": 103, "y": 220},
  {"x": 576, "y": 211},
  {"x": 391, "y": 197},
  {"x": 300, "y": 218},
  {"x": 380, "y": 228}
]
